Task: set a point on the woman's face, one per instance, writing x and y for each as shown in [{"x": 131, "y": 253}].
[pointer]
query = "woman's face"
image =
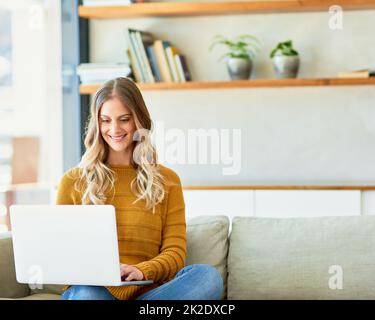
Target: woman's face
[{"x": 117, "y": 125}]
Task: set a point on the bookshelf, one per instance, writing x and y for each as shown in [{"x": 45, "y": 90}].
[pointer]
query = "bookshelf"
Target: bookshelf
[
  {"x": 164, "y": 9},
  {"x": 186, "y": 9},
  {"x": 333, "y": 186},
  {"x": 236, "y": 84},
  {"x": 181, "y": 10}
]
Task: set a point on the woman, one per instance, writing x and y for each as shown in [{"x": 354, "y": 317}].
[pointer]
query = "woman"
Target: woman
[{"x": 120, "y": 168}]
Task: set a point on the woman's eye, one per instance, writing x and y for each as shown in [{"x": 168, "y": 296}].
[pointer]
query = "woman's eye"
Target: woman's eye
[{"x": 108, "y": 121}]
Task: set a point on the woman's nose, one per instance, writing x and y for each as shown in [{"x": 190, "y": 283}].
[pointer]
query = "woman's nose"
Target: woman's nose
[{"x": 115, "y": 127}]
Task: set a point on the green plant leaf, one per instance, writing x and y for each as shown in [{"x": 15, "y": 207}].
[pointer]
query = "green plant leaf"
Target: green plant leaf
[
  {"x": 284, "y": 48},
  {"x": 273, "y": 52},
  {"x": 243, "y": 46}
]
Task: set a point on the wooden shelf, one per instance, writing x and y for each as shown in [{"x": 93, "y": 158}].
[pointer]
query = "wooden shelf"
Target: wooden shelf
[
  {"x": 258, "y": 83},
  {"x": 172, "y": 9},
  {"x": 365, "y": 187}
]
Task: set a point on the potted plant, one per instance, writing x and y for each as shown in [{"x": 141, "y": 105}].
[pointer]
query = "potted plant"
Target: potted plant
[
  {"x": 285, "y": 60},
  {"x": 240, "y": 54}
]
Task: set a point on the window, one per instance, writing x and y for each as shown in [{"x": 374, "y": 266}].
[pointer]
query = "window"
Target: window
[
  {"x": 30, "y": 93},
  {"x": 5, "y": 49},
  {"x": 5, "y": 85}
]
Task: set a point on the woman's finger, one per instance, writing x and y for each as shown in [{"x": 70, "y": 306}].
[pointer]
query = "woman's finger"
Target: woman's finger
[
  {"x": 130, "y": 277},
  {"x": 129, "y": 272},
  {"x": 125, "y": 270}
]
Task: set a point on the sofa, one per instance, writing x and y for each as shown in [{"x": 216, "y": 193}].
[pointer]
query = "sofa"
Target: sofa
[{"x": 262, "y": 258}]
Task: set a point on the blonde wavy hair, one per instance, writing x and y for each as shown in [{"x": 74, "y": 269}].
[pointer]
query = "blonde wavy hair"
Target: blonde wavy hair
[{"x": 96, "y": 178}]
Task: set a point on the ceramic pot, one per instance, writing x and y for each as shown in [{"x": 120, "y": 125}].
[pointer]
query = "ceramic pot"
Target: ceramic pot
[
  {"x": 239, "y": 68},
  {"x": 285, "y": 66}
]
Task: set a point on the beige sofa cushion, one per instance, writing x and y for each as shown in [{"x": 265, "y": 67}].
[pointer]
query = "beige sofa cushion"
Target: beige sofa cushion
[
  {"x": 207, "y": 243},
  {"x": 48, "y": 289},
  {"x": 302, "y": 258},
  {"x": 40, "y": 296},
  {"x": 9, "y": 287}
]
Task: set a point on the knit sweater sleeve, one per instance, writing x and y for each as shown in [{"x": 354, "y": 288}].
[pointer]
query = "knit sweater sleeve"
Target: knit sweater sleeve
[
  {"x": 172, "y": 254},
  {"x": 66, "y": 193}
]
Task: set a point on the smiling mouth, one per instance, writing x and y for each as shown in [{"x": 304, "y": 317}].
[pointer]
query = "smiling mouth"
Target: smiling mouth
[{"x": 117, "y": 138}]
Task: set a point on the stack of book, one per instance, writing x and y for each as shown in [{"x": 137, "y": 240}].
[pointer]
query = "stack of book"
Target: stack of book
[
  {"x": 94, "y": 73},
  {"x": 155, "y": 60},
  {"x": 365, "y": 73},
  {"x": 100, "y": 3}
]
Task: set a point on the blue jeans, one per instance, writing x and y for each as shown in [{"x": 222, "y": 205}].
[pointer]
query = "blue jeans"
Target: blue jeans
[{"x": 194, "y": 282}]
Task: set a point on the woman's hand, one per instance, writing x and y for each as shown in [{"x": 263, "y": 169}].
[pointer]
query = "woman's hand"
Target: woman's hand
[{"x": 130, "y": 273}]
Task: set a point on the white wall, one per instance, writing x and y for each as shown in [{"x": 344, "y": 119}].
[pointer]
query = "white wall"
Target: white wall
[
  {"x": 319, "y": 134},
  {"x": 279, "y": 203}
]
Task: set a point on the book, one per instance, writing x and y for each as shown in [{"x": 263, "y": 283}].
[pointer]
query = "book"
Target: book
[
  {"x": 365, "y": 73},
  {"x": 140, "y": 40},
  {"x": 102, "y": 66},
  {"x": 162, "y": 61},
  {"x": 90, "y": 73},
  {"x": 167, "y": 44},
  {"x": 154, "y": 63},
  {"x": 139, "y": 62},
  {"x": 171, "y": 51},
  {"x": 179, "y": 68},
  {"x": 144, "y": 40},
  {"x": 187, "y": 73},
  {"x": 135, "y": 63},
  {"x": 105, "y": 3}
]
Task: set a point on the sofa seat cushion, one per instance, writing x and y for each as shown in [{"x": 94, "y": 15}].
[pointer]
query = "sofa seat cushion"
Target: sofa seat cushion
[
  {"x": 37, "y": 296},
  {"x": 42, "y": 296},
  {"x": 9, "y": 287},
  {"x": 48, "y": 288},
  {"x": 207, "y": 243},
  {"x": 302, "y": 258}
]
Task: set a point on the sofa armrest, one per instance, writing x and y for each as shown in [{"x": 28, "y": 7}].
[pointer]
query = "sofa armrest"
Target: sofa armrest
[{"x": 9, "y": 287}]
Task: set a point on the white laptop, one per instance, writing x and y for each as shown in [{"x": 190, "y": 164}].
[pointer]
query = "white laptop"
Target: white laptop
[{"x": 66, "y": 244}]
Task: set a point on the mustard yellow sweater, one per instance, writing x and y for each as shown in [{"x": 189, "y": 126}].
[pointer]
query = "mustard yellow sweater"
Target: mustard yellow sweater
[{"x": 154, "y": 243}]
